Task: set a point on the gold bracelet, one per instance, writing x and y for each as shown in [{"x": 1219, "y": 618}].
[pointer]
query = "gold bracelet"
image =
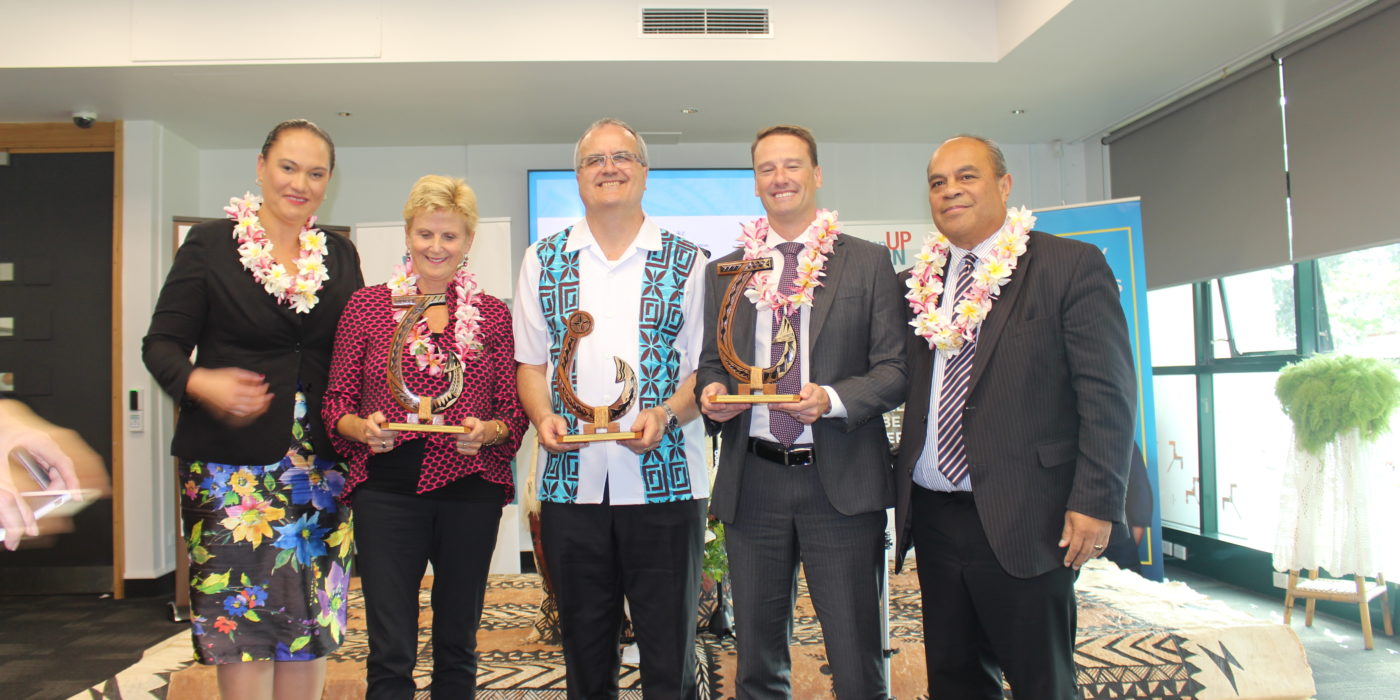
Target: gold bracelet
[{"x": 500, "y": 433}]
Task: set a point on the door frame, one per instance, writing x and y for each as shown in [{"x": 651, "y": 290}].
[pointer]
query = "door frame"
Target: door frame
[{"x": 102, "y": 137}]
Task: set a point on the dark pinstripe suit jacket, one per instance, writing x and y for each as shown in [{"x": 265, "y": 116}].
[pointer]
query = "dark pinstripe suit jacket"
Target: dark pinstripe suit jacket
[
  {"x": 857, "y": 347},
  {"x": 1049, "y": 417}
]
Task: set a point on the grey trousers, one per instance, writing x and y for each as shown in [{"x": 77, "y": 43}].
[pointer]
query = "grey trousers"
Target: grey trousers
[{"x": 784, "y": 518}]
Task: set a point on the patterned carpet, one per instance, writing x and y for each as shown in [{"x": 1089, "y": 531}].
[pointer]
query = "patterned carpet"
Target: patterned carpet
[{"x": 1137, "y": 639}]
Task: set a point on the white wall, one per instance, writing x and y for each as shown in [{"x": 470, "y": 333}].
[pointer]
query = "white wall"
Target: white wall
[
  {"x": 369, "y": 184},
  {"x": 1097, "y": 177},
  {"x": 159, "y": 181}
]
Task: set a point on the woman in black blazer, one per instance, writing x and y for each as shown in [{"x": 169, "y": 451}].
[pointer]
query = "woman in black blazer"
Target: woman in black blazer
[{"x": 258, "y": 297}]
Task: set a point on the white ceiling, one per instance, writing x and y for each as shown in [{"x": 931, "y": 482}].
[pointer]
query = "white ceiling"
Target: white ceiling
[{"x": 1090, "y": 67}]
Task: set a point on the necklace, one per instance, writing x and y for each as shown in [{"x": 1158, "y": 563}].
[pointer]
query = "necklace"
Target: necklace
[
  {"x": 466, "y": 320},
  {"x": 951, "y": 330},
  {"x": 811, "y": 263},
  {"x": 255, "y": 253}
]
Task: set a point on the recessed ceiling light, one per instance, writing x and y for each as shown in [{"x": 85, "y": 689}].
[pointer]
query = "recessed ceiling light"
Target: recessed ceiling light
[
  {"x": 689, "y": 110},
  {"x": 342, "y": 114},
  {"x": 1018, "y": 112}
]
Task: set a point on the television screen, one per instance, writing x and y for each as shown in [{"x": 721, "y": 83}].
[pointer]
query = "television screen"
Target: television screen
[{"x": 705, "y": 206}]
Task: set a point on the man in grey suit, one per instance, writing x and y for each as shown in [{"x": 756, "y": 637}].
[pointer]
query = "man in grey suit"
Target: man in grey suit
[
  {"x": 806, "y": 482},
  {"x": 1014, "y": 457}
]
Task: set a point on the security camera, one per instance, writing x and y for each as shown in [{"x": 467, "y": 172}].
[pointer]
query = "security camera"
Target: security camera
[{"x": 84, "y": 120}]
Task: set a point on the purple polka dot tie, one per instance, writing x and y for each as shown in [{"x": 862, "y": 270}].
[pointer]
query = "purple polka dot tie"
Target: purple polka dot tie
[{"x": 781, "y": 423}]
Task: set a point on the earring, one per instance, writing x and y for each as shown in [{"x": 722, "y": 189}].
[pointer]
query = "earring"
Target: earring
[
  {"x": 258, "y": 181},
  {"x": 463, "y": 265}
]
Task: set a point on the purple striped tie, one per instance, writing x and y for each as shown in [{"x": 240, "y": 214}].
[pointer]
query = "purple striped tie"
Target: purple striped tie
[
  {"x": 780, "y": 423},
  {"x": 952, "y": 395}
]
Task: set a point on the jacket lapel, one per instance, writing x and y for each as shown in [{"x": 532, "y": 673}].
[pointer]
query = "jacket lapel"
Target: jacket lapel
[
  {"x": 825, "y": 295},
  {"x": 995, "y": 323}
]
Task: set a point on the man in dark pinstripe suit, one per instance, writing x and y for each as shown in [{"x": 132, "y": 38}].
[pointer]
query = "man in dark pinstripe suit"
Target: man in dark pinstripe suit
[
  {"x": 807, "y": 482},
  {"x": 1013, "y": 462}
]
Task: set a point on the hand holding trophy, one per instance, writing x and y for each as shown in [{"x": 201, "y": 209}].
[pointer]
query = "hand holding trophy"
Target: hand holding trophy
[
  {"x": 599, "y": 422},
  {"x": 756, "y": 384}
]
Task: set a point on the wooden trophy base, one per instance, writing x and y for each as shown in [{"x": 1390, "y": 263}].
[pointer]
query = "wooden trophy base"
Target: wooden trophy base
[
  {"x": 425, "y": 422},
  {"x": 598, "y": 437},
  {"x": 756, "y": 392},
  {"x": 756, "y": 398},
  {"x": 423, "y": 428},
  {"x": 600, "y": 430}
]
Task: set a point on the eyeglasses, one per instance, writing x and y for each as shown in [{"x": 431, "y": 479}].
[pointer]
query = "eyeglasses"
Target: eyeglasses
[{"x": 621, "y": 159}]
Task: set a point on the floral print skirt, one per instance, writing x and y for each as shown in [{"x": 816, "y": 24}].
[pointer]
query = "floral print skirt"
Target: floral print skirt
[{"x": 269, "y": 550}]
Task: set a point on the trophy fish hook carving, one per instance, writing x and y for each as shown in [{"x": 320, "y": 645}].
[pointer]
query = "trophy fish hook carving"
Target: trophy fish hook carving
[
  {"x": 580, "y": 324},
  {"x": 743, "y": 271},
  {"x": 417, "y": 304}
]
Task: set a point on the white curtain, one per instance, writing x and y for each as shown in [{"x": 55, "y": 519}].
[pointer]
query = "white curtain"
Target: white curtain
[{"x": 1333, "y": 506}]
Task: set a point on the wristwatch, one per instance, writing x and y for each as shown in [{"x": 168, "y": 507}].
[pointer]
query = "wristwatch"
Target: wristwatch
[{"x": 671, "y": 420}]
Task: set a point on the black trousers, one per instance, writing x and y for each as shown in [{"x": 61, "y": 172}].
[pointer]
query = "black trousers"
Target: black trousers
[
  {"x": 596, "y": 555},
  {"x": 980, "y": 621},
  {"x": 396, "y": 536}
]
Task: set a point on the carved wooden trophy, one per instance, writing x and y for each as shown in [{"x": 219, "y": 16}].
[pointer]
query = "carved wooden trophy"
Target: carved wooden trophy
[
  {"x": 599, "y": 422},
  {"x": 756, "y": 384},
  {"x": 424, "y": 411}
]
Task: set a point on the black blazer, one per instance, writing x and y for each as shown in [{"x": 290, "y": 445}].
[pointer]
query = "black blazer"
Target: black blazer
[
  {"x": 209, "y": 301},
  {"x": 1048, "y": 422}
]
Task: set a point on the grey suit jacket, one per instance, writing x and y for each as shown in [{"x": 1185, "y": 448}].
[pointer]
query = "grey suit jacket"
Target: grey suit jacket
[
  {"x": 1048, "y": 421},
  {"x": 856, "y": 347}
]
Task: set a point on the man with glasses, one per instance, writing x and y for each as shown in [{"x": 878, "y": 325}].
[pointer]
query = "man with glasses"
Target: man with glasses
[
  {"x": 807, "y": 482},
  {"x": 618, "y": 518}
]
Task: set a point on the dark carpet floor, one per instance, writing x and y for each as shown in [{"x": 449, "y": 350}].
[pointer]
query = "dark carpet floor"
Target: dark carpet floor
[{"x": 52, "y": 647}]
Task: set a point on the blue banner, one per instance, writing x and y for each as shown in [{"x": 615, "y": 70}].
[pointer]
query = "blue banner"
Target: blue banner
[{"x": 1115, "y": 227}]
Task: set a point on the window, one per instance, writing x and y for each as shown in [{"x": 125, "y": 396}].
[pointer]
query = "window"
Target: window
[
  {"x": 1178, "y": 451},
  {"x": 1171, "y": 317},
  {"x": 1222, "y": 438},
  {"x": 1252, "y": 438},
  {"x": 1254, "y": 313},
  {"x": 1359, "y": 304}
]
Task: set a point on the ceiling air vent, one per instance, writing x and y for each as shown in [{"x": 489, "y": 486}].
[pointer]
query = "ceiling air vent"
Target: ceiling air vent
[{"x": 677, "y": 21}]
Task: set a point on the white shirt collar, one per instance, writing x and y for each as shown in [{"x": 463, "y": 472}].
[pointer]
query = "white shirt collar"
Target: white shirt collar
[
  {"x": 774, "y": 238},
  {"x": 648, "y": 236},
  {"x": 981, "y": 250}
]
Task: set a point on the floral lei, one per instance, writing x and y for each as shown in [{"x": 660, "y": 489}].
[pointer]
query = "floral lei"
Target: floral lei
[
  {"x": 255, "y": 252},
  {"x": 811, "y": 263},
  {"x": 466, "y": 324},
  {"x": 950, "y": 330}
]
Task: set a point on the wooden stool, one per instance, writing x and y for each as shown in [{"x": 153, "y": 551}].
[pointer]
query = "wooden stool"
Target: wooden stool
[{"x": 1357, "y": 590}]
